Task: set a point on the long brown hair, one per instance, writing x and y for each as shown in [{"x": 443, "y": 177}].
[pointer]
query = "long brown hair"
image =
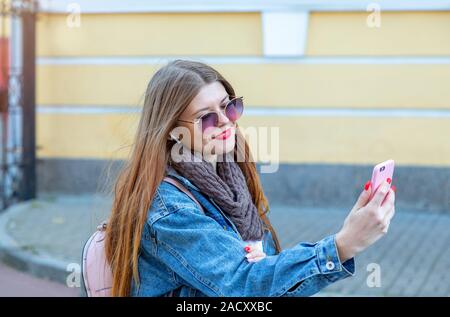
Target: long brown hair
[{"x": 169, "y": 92}]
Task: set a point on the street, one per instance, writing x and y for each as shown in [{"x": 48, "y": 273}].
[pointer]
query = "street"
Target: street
[{"x": 16, "y": 283}]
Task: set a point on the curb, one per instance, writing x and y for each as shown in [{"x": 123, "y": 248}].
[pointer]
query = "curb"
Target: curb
[{"x": 42, "y": 265}]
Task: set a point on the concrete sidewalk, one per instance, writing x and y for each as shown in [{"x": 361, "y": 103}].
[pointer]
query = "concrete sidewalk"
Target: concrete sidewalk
[{"x": 45, "y": 237}]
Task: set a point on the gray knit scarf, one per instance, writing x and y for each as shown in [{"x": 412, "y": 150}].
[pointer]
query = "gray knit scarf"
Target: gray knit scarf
[{"x": 227, "y": 187}]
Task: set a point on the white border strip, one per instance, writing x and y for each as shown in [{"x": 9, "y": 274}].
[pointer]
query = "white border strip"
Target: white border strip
[
  {"x": 155, "y": 60},
  {"x": 262, "y": 111},
  {"x": 138, "y": 6},
  {"x": 284, "y": 33}
]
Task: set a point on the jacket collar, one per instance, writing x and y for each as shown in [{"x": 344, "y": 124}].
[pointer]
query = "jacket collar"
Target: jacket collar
[{"x": 170, "y": 171}]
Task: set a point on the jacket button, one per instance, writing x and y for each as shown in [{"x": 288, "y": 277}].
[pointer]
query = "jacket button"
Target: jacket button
[{"x": 329, "y": 265}]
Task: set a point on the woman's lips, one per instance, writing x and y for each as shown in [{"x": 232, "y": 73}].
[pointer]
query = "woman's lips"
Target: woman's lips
[{"x": 224, "y": 135}]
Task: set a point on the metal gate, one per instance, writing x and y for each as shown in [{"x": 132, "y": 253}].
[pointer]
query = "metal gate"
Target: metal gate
[{"x": 17, "y": 101}]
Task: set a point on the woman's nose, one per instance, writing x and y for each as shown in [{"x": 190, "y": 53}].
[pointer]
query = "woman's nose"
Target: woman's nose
[{"x": 223, "y": 118}]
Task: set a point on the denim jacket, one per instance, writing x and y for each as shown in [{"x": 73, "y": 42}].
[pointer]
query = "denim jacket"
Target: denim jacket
[{"x": 189, "y": 252}]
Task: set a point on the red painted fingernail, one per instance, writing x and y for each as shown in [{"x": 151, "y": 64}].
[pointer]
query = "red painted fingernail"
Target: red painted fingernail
[
  {"x": 393, "y": 188},
  {"x": 367, "y": 185},
  {"x": 388, "y": 180},
  {"x": 247, "y": 248}
]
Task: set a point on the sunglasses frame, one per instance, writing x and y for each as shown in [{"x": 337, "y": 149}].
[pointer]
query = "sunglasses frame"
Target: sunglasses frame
[{"x": 196, "y": 121}]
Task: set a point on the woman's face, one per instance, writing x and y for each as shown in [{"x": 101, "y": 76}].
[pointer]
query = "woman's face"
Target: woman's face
[{"x": 211, "y": 98}]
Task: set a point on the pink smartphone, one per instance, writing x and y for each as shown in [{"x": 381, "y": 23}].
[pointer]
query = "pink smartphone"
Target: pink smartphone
[{"x": 380, "y": 173}]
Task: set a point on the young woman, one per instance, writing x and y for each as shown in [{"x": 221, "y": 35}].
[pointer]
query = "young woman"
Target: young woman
[{"x": 160, "y": 242}]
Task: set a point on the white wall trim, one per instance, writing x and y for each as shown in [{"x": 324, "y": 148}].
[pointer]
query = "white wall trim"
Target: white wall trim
[
  {"x": 132, "y": 6},
  {"x": 284, "y": 32},
  {"x": 158, "y": 60},
  {"x": 261, "y": 111}
]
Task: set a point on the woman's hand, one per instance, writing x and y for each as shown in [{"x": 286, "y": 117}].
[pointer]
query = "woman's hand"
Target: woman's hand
[
  {"x": 367, "y": 221},
  {"x": 254, "y": 255}
]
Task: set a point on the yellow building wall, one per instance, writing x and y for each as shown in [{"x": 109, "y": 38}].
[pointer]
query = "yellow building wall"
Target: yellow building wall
[
  {"x": 269, "y": 85},
  {"x": 159, "y": 34},
  {"x": 301, "y": 140},
  {"x": 320, "y": 139},
  {"x": 399, "y": 34}
]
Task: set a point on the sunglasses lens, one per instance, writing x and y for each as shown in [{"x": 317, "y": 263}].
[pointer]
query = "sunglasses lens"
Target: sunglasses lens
[
  {"x": 234, "y": 109},
  {"x": 209, "y": 120}
]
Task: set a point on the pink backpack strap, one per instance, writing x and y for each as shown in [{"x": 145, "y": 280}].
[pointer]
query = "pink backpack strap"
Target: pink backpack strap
[{"x": 183, "y": 189}]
